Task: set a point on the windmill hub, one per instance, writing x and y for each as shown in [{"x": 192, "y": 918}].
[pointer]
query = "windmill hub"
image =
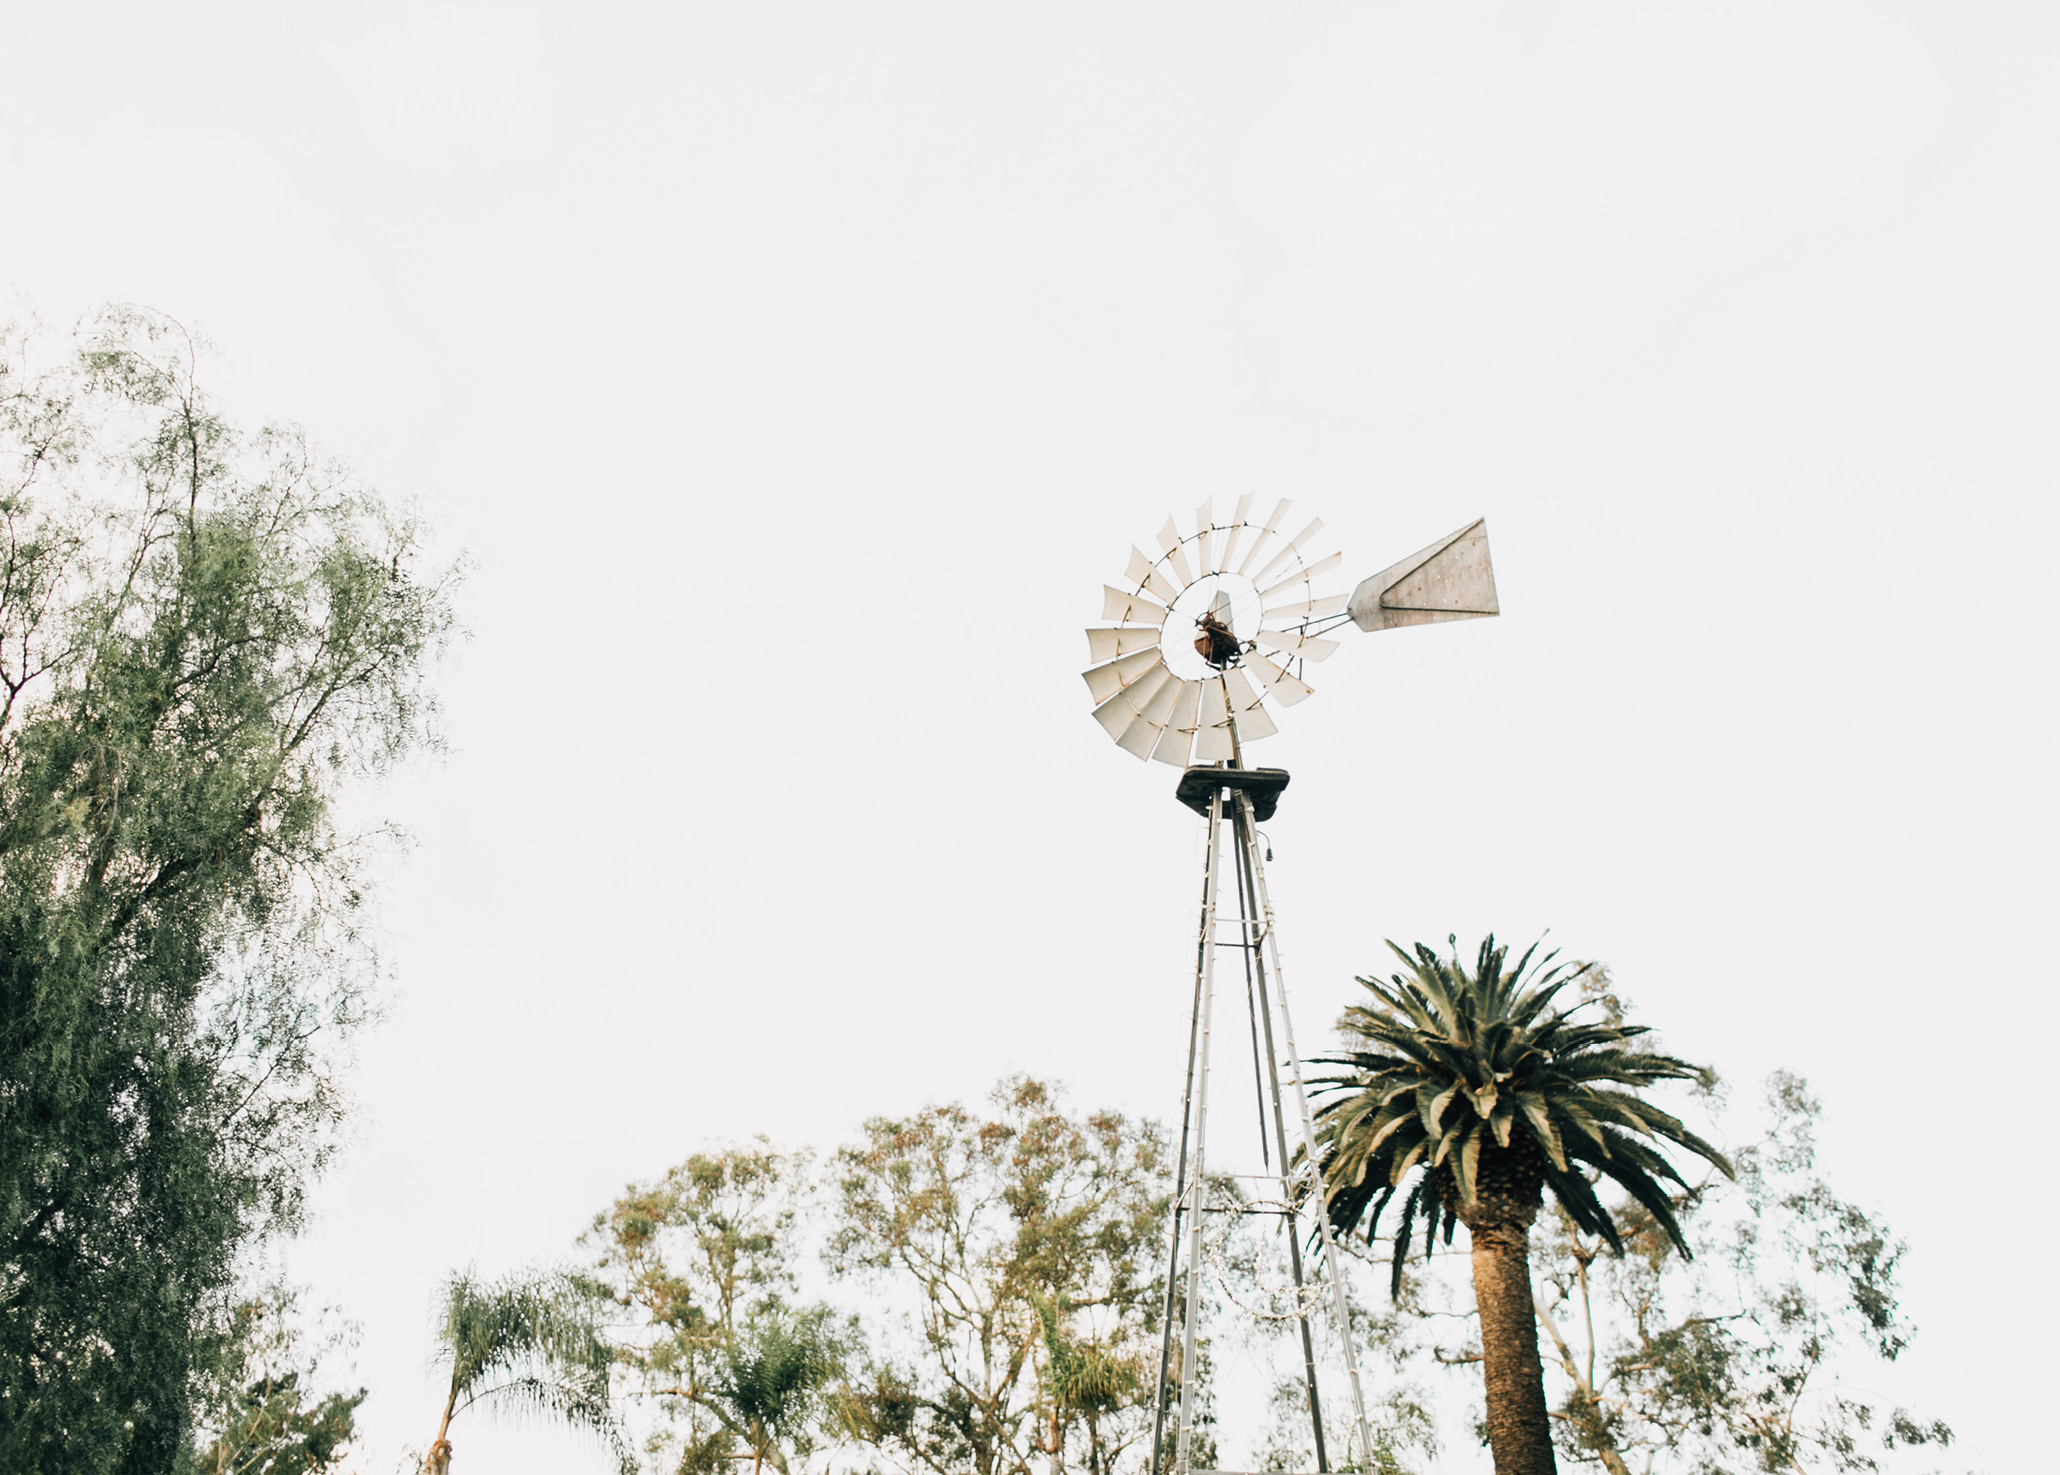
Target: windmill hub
[{"x": 1215, "y": 618}]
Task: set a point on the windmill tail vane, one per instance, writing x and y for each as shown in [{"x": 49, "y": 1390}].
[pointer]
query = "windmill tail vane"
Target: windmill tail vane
[{"x": 1205, "y": 641}]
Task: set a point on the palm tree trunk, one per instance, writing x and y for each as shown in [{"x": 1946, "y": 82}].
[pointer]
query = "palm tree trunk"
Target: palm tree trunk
[
  {"x": 1518, "y": 1431},
  {"x": 438, "y": 1461}
]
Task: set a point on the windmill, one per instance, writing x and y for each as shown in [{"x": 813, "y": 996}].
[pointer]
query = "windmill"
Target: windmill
[{"x": 1222, "y": 623}]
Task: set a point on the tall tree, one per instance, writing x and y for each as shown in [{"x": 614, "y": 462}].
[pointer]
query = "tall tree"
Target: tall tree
[
  {"x": 257, "y": 1407},
  {"x": 1468, "y": 1094},
  {"x": 203, "y": 636},
  {"x": 1021, "y": 1244},
  {"x": 528, "y": 1343},
  {"x": 705, "y": 1258},
  {"x": 1733, "y": 1361}
]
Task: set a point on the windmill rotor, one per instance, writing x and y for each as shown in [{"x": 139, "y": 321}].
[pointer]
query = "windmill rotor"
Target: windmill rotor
[{"x": 1220, "y": 624}]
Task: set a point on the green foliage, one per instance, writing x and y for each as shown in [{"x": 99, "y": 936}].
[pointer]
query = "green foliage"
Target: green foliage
[
  {"x": 1732, "y": 1362},
  {"x": 1400, "y": 1425},
  {"x": 255, "y": 1405},
  {"x": 773, "y": 1375},
  {"x": 1478, "y": 1089},
  {"x": 989, "y": 1230},
  {"x": 529, "y": 1344},
  {"x": 1082, "y": 1377},
  {"x": 203, "y": 636},
  {"x": 705, "y": 1256}
]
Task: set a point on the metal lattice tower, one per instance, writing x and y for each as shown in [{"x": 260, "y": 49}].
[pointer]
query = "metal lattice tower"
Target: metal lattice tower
[{"x": 1194, "y": 702}]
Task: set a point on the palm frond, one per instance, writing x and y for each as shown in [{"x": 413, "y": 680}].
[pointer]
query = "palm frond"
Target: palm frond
[
  {"x": 530, "y": 1343},
  {"x": 1451, "y": 1079}
]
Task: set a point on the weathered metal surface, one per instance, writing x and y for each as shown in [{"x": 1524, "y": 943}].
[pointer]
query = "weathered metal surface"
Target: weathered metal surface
[
  {"x": 1177, "y": 741},
  {"x": 1125, "y": 704},
  {"x": 1265, "y": 534},
  {"x": 1277, "y": 681},
  {"x": 1212, "y": 738},
  {"x": 1308, "y": 609},
  {"x": 1106, "y": 645},
  {"x": 1294, "y": 546},
  {"x": 1237, "y": 530},
  {"x": 1169, "y": 544},
  {"x": 1145, "y": 574},
  {"x": 1104, "y": 682},
  {"x": 1295, "y": 643},
  {"x": 1198, "y": 785},
  {"x": 1130, "y": 609},
  {"x": 1452, "y": 579},
  {"x": 1303, "y": 575}
]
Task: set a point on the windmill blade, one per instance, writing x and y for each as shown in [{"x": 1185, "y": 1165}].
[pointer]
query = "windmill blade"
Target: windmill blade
[
  {"x": 1169, "y": 540},
  {"x": 1212, "y": 745},
  {"x": 1301, "y": 575},
  {"x": 1237, "y": 530},
  {"x": 1237, "y": 690},
  {"x": 1295, "y": 643},
  {"x": 1293, "y": 545},
  {"x": 1453, "y": 579},
  {"x": 1173, "y": 747},
  {"x": 1104, "y": 682},
  {"x": 1309, "y": 609},
  {"x": 1130, "y": 609},
  {"x": 1142, "y": 735},
  {"x": 1143, "y": 573},
  {"x": 1139, "y": 738},
  {"x": 1254, "y": 723},
  {"x": 1178, "y": 738},
  {"x": 1114, "y": 715},
  {"x": 1205, "y": 534},
  {"x": 1158, "y": 706},
  {"x": 1123, "y": 708},
  {"x": 1119, "y": 711},
  {"x": 1279, "y": 511},
  {"x": 1277, "y": 681},
  {"x": 1212, "y": 737},
  {"x": 1106, "y": 645}
]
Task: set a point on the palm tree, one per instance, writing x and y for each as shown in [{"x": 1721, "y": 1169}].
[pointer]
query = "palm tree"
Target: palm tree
[
  {"x": 1468, "y": 1096},
  {"x": 528, "y": 1343},
  {"x": 1084, "y": 1379},
  {"x": 772, "y": 1378}
]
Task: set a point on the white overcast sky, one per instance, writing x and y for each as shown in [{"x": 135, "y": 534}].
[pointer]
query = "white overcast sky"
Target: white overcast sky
[{"x": 798, "y": 374}]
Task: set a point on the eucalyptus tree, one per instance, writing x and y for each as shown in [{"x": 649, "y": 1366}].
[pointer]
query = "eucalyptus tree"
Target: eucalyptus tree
[
  {"x": 1734, "y": 1360},
  {"x": 204, "y": 636},
  {"x": 967, "y": 1223},
  {"x": 701, "y": 1257},
  {"x": 1467, "y": 1095},
  {"x": 528, "y": 1344}
]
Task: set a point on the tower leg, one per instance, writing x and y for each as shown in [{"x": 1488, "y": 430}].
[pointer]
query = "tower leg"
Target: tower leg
[
  {"x": 1187, "y": 1098},
  {"x": 1197, "y": 1188},
  {"x": 1332, "y": 1268},
  {"x": 1245, "y": 838}
]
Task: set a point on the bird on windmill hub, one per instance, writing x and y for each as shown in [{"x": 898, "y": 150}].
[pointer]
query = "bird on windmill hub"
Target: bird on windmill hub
[{"x": 1218, "y": 643}]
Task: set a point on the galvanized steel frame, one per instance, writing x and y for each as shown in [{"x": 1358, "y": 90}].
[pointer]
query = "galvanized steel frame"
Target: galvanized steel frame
[{"x": 1190, "y": 1207}]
